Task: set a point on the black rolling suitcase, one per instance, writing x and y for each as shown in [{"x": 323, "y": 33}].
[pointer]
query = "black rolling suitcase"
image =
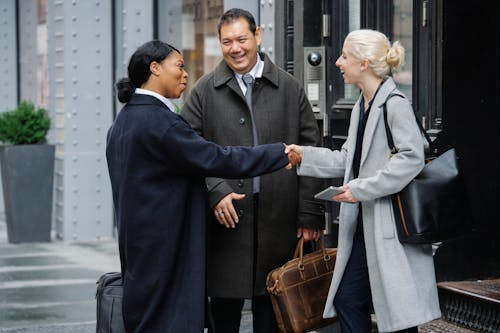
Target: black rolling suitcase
[{"x": 109, "y": 304}]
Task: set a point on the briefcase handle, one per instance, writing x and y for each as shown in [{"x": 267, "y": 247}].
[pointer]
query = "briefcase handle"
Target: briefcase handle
[{"x": 299, "y": 252}]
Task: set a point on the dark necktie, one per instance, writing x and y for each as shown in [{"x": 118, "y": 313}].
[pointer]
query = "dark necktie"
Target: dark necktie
[{"x": 248, "y": 80}]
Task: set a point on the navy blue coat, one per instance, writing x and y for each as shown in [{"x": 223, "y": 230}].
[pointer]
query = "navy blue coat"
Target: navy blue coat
[{"x": 157, "y": 165}]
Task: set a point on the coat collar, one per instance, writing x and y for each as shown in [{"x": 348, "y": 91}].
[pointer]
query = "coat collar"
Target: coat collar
[
  {"x": 387, "y": 88},
  {"x": 225, "y": 75},
  {"x": 141, "y": 99},
  {"x": 373, "y": 120}
]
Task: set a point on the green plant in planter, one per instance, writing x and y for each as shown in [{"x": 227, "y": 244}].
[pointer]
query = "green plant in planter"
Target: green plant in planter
[
  {"x": 24, "y": 125},
  {"x": 27, "y": 171}
]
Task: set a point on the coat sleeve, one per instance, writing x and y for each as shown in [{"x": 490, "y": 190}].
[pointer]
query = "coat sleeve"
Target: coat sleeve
[
  {"x": 327, "y": 163},
  {"x": 190, "y": 154},
  {"x": 192, "y": 111},
  {"x": 402, "y": 167},
  {"x": 310, "y": 211},
  {"x": 323, "y": 162}
]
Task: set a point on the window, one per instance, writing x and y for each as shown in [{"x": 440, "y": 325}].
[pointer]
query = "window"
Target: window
[
  {"x": 345, "y": 17},
  {"x": 416, "y": 25},
  {"x": 402, "y": 31},
  {"x": 427, "y": 59},
  {"x": 191, "y": 25}
]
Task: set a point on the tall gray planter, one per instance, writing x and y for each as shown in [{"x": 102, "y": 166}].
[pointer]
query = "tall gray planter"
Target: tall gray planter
[{"x": 27, "y": 178}]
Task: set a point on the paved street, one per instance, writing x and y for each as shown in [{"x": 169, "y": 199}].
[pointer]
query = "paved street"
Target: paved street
[{"x": 50, "y": 287}]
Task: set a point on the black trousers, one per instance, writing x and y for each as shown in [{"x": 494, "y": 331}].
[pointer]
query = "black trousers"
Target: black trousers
[
  {"x": 226, "y": 312},
  {"x": 353, "y": 299},
  {"x": 226, "y": 315}
]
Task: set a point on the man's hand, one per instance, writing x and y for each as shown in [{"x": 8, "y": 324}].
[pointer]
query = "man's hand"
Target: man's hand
[
  {"x": 294, "y": 155},
  {"x": 224, "y": 210},
  {"x": 308, "y": 234}
]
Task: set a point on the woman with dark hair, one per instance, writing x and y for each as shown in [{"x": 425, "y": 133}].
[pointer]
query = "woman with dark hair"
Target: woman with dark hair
[{"x": 157, "y": 165}]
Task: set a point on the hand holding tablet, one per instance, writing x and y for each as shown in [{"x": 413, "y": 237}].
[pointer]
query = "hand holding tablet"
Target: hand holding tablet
[{"x": 329, "y": 193}]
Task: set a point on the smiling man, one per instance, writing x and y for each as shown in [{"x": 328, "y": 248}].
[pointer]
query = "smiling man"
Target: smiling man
[{"x": 248, "y": 100}]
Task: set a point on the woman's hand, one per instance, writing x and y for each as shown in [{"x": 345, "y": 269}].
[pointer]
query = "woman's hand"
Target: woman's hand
[
  {"x": 345, "y": 196},
  {"x": 294, "y": 155}
]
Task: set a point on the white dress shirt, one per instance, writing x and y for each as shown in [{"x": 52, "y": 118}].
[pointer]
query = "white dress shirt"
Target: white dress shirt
[{"x": 256, "y": 71}]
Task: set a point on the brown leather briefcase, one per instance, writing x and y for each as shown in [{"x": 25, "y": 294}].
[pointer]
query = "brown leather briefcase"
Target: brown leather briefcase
[{"x": 299, "y": 289}]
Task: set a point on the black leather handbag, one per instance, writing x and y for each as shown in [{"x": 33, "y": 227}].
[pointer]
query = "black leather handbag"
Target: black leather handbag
[
  {"x": 109, "y": 304},
  {"x": 432, "y": 208}
]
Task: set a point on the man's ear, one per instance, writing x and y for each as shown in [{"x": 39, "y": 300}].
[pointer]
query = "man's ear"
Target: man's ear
[
  {"x": 155, "y": 68},
  {"x": 258, "y": 35}
]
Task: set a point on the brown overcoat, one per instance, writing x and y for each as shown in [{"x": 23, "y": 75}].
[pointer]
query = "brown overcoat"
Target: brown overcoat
[{"x": 217, "y": 110}]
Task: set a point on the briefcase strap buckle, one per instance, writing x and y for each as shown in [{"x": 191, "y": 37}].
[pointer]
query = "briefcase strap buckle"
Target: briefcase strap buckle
[{"x": 274, "y": 289}]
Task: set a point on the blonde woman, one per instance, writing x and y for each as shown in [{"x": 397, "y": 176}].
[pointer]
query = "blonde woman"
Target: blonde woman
[{"x": 373, "y": 267}]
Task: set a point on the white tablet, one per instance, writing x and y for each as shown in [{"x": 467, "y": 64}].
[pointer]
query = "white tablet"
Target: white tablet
[{"x": 328, "y": 193}]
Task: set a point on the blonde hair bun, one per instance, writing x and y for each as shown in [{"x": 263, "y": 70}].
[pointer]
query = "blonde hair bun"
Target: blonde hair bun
[
  {"x": 395, "y": 56},
  {"x": 374, "y": 46}
]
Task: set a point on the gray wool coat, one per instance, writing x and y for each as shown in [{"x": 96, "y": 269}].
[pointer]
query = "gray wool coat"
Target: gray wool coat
[
  {"x": 217, "y": 110},
  {"x": 402, "y": 277}
]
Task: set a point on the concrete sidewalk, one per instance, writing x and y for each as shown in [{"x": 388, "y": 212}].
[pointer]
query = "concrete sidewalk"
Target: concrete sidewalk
[{"x": 50, "y": 287}]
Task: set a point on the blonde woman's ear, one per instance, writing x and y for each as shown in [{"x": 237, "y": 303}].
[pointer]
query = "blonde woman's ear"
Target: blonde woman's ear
[{"x": 364, "y": 64}]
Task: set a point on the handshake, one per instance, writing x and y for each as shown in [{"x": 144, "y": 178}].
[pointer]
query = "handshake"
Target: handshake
[{"x": 294, "y": 153}]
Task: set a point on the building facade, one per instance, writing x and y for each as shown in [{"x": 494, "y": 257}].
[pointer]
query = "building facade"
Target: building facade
[{"x": 65, "y": 55}]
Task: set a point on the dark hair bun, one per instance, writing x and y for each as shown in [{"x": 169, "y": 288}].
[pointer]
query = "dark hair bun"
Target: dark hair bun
[{"x": 124, "y": 89}]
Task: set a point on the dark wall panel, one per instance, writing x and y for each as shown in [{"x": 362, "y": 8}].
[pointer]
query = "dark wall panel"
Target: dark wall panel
[{"x": 471, "y": 108}]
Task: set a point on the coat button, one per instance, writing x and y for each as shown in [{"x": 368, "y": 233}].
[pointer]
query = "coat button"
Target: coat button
[
  {"x": 240, "y": 183},
  {"x": 242, "y": 121},
  {"x": 240, "y": 212}
]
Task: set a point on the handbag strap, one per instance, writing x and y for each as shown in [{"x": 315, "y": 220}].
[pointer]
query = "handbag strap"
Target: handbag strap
[{"x": 390, "y": 141}]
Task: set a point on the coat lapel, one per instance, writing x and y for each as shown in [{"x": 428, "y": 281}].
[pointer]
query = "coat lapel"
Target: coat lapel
[
  {"x": 223, "y": 75},
  {"x": 270, "y": 72},
  {"x": 375, "y": 113},
  {"x": 351, "y": 145},
  {"x": 371, "y": 125},
  {"x": 269, "y": 80}
]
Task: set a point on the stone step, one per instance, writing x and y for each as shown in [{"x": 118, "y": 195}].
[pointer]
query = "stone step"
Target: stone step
[
  {"x": 443, "y": 326},
  {"x": 435, "y": 326},
  {"x": 474, "y": 305},
  {"x": 487, "y": 291}
]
